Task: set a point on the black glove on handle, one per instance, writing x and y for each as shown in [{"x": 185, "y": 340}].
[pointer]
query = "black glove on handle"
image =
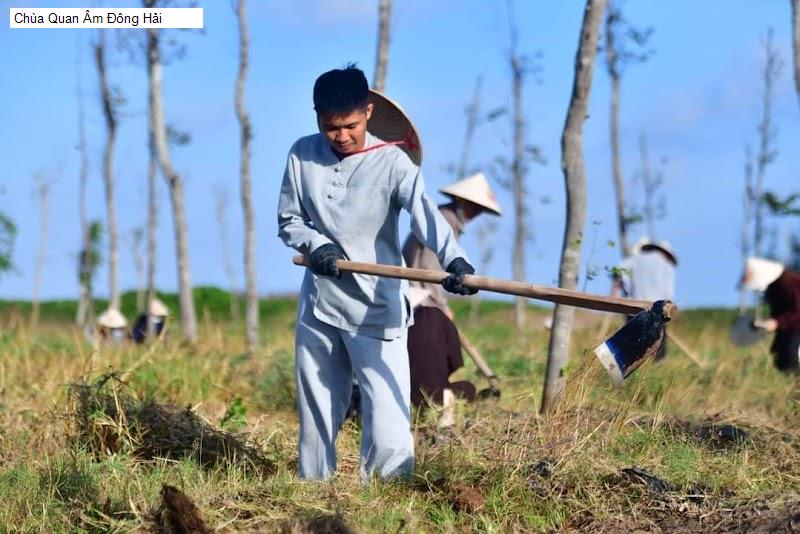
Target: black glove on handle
[
  {"x": 323, "y": 260},
  {"x": 453, "y": 283}
]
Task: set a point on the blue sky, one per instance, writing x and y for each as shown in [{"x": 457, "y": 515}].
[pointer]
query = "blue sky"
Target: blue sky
[{"x": 697, "y": 100}]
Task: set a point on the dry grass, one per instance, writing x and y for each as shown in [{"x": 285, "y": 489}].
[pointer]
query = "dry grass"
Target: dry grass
[{"x": 503, "y": 468}]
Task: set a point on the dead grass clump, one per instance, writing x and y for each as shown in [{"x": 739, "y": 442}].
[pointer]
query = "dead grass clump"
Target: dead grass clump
[{"x": 110, "y": 419}]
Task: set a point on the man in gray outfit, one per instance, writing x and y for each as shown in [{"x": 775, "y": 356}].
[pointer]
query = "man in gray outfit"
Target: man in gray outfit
[{"x": 341, "y": 197}]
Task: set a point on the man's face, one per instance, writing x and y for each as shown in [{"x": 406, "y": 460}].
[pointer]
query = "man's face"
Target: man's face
[{"x": 345, "y": 133}]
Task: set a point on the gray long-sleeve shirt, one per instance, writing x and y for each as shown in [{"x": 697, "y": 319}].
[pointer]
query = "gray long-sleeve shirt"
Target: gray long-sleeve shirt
[{"x": 355, "y": 203}]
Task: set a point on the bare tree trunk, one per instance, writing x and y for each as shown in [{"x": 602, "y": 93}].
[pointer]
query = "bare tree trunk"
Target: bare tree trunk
[
  {"x": 796, "y": 44},
  {"x": 222, "y": 224},
  {"x": 766, "y": 131},
  {"x": 612, "y": 62},
  {"x": 518, "y": 172},
  {"x": 472, "y": 121},
  {"x": 251, "y": 292},
  {"x": 84, "y": 302},
  {"x": 575, "y": 180},
  {"x": 188, "y": 319},
  {"x": 108, "y": 176},
  {"x": 747, "y": 210},
  {"x": 137, "y": 234},
  {"x": 382, "y": 54},
  {"x": 43, "y": 197},
  {"x": 649, "y": 186},
  {"x": 152, "y": 225}
]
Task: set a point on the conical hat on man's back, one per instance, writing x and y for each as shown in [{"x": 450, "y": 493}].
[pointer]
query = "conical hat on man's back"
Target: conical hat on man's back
[{"x": 391, "y": 124}]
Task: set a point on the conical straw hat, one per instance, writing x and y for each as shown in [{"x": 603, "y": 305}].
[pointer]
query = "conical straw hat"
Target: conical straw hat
[
  {"x": 390, "y": 123},
  {"x": 475, "y": 189},
  {"x": 158, "y": 309},
  {"x": 112, "y": 318},
  {"x": 760, "y": 273}
]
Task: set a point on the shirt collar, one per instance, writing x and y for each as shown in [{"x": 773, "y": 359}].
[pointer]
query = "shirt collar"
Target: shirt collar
[{"x": 349, "y": 161}]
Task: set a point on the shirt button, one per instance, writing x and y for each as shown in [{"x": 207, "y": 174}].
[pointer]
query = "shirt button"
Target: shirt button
[
  {"x": 337, "y": 169},
  {"x": 330, "y": 196}
]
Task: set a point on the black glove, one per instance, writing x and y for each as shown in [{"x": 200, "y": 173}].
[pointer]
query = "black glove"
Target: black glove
[
  {"x": 453, "y": 283},
  {"x": 323, "y": 260}
]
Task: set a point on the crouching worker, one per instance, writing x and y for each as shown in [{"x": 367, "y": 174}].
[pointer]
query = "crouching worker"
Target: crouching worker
[
  {"x": 781, "y": 289},
  {"x": 341, "y": 197},
  {"x": 434, "y": 353},
  {"x": 112, "y": 327},
  {"x": 158, "y": 316}
]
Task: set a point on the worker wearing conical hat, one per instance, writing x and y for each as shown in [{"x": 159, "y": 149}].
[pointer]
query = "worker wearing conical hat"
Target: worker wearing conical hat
[
  {"x": 341, "y": 197},
  {"x": 158, "y": 312},
  {"x": 434, "y": 347},
  {"x": 648, "y": 274},
  {"x": 469, "y": 197},
  {"x": 111, "y": 326},
  {"x": 781, "y": 288}
]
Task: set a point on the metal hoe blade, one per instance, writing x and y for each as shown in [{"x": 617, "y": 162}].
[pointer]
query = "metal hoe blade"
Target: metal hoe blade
[
  {"x": 744, "y": 334},
  {"x": 632, "y": 344}
]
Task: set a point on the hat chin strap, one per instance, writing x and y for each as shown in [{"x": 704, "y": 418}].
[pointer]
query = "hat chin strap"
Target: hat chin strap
[{"x": 407, "y": 140}]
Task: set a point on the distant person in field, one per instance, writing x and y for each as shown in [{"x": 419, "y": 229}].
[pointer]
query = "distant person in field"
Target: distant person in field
[
  {"x": 111, "y": 327},
  {"x": 434, "y": 348},
  {"x": 341, "y": 197},
  {"x": 781, "y": 288},
  {"x": 648, "y": 274},
  {"x": 158, "y": 314}
]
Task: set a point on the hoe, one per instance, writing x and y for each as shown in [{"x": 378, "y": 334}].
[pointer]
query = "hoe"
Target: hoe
[{"x": 621, "y": 354}]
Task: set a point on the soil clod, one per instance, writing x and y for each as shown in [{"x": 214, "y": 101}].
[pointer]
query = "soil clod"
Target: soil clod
[
  {"x": 466, "y": 498},
  {"x": 321, "y": 524},
  {"x": 178, "y": 514},
  {"x": 649, "y": 480}
]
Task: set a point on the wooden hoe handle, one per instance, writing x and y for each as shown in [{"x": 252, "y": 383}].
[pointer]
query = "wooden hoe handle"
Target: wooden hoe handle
[{"x": 508, "y": 287}]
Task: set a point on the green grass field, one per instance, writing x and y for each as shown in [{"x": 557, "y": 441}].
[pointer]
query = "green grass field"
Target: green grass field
[{"x": 503, "y": 468}]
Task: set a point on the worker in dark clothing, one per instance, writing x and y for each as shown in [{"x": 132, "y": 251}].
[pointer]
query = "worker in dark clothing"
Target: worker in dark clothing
[
  {"x": 434, "y": 347},
  {"x": 158, "y": 316},
  {"x": 781, "y": 289}
]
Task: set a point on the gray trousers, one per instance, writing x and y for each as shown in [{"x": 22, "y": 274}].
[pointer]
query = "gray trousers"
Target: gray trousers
[{"x": 326, "y": 359}]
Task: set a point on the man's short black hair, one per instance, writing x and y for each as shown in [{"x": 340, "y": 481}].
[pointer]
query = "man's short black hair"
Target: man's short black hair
[{"x": 341, "y": 91}]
